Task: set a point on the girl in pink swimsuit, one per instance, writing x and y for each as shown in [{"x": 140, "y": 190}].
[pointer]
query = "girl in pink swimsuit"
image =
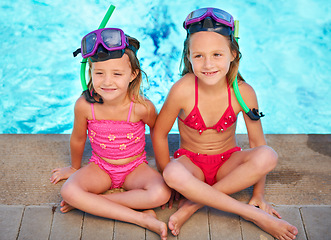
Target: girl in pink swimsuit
[
  {"x": 209, "y": 166},
  {"x": 114, "y": 121}
]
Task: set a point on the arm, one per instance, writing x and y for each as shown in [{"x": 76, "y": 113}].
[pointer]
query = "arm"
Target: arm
[
  {"x": 164, "y": 123},
  {"x": 254, "y": 130},
  {"x": 79, "y": 133},
  {"x": 256, "y": 138},
  {"x": 149, "y": 115},
  {"x": 77, "y": 143}
]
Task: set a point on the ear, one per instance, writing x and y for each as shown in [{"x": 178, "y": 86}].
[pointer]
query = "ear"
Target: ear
[
  {"x": 134, "y": 75},
  {"x": 188, "y": 57},
  {"x": 234, "y": 55}
]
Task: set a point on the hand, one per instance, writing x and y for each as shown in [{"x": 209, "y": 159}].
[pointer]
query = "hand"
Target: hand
[
  {"x": 175, "y": 196},
  {"x": 263, "y": 205},
  {"x": 61, "y": 174}
]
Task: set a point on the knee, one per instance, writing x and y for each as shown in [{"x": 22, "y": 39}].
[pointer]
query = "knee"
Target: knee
[
  {"x": 161, "y": 195},
  {"x": 68, "y": 192},
  {"x": 173, "y": 174},
  {"x": 265, "y": 159}
]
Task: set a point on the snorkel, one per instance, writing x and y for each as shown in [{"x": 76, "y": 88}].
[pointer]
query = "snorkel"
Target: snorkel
[
  {"x": 86, "y": 91},
  {"x": 221, "y": 22},
  {"x": 253, "y": 114}
]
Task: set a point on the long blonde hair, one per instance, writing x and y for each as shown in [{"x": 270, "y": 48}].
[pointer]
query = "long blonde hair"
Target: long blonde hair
[
  {"x": 186, "y": 65},
  {"x": 134, "y": 90}
]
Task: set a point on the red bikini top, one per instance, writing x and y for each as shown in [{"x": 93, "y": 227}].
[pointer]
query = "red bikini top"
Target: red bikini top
[{"x": 194, "y": 119}]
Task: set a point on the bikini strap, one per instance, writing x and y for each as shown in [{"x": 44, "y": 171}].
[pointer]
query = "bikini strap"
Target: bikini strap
[
  {"x": 196, "y": 91},
  {"x": 229, "y": 94},
  {"x": 130, "y": 110},
  {"x": 92, "y": 108}
]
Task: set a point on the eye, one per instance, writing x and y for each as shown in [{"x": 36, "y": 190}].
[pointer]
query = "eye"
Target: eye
[
  {"x": 217, "y": 54},
  {"x": 197, "y": 56}
]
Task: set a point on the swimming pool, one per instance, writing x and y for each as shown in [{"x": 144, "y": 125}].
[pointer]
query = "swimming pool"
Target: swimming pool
[{"x": 286, "y": 51}]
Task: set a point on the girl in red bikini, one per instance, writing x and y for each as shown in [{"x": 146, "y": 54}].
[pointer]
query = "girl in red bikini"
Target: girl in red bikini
[
  {"x": 209, "y": 166},
  {"x": 113, "y": 117}
]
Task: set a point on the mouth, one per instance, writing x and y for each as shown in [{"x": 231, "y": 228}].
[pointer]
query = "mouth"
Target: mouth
[
  {"x": 108, "y": 89},
  {"x": 209, "y": 73}
]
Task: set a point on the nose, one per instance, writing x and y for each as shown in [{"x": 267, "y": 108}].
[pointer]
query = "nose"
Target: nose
[
  {"x": 108, "y": 79},
  {"x": 208, "y": 63}
]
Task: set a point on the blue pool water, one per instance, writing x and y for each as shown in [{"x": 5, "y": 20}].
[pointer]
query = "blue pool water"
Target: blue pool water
[{"x": 285, "y": 45}]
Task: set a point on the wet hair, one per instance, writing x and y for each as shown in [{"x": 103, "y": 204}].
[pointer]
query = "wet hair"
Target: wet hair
[
  {"x": 134, "y": 90},
  {"x": 186, "y": 65}
]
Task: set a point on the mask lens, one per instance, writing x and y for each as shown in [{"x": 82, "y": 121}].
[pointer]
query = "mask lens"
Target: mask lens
[
  {"x": 88, "y": 43},
  {"x": 197, "y": 13},
  {"x": 222, "y": 15},
  {"x": 112, "y": 38}
]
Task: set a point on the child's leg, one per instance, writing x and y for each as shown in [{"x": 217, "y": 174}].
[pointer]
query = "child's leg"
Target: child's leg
[
  {"x": 246, "y": 168},
  {"x": 178, "y": 177},
  {"x": 243, "y": 169},
  {"x": 187, "y": 208},
  {"x": 145, "y": 189},
  {"x": 82, "y": 191}
]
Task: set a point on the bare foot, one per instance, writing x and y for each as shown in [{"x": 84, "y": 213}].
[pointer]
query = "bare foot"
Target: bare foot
[
  {"x": 65, "y": 207},
  {"x": 278, "y": 228},
  {"x": 184, "y": 212},
  {"x": 155, "y": 225},
  {"x": 150, "y": 212},
  {"x": 261, "y": 203}
]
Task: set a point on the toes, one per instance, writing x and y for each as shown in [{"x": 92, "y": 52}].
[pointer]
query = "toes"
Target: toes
[{"x": 174, "y": 232}]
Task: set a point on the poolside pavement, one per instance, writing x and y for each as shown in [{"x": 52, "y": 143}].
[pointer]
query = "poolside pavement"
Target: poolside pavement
[{"x": 299, "y": 188}]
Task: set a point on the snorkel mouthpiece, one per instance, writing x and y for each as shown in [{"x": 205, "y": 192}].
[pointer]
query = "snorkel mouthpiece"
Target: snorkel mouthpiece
[{"x": 254, "y": 114}]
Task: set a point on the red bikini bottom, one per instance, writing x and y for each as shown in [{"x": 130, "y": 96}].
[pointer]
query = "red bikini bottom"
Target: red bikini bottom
[{"x": 209, "y": 164}]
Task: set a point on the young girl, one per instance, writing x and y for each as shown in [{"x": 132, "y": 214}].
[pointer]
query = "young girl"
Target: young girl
[
  {"x": 209, "y": 166},
  {"x": 116, "y": 129}
]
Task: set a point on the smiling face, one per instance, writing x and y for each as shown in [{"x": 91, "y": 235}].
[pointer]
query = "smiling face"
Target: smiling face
[
  {"x": 210, "y": 56},
  {"x": 111, "y": 78}
]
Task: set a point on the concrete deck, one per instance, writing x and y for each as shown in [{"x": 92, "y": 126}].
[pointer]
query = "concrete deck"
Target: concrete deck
[{"x": 299, "y": 188}]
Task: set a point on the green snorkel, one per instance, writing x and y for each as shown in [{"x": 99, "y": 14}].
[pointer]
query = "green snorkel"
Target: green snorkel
[
  {"x": 253, "y": 114},
  {"x": 86, "y": 91}
]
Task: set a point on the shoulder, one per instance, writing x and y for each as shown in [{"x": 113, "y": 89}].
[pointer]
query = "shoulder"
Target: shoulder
[
  {"x": 247, "y": 92},
  {"x": 183, "y": 87},
  {"x": 82, "y": 107},
  {"x": 188, "y": 80},
  {"x": 146, "y": 107},
  {"x": 146, "y": 111},
  {"x": 81, "y": 102},
  {"x": 245, "y": 87},
  {"x": 248, "y": 95}
]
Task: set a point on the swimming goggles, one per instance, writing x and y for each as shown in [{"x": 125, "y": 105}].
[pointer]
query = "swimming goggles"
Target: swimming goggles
[
  {"x": 103, "y": 44},
  {"x": 218, "y": 15}
]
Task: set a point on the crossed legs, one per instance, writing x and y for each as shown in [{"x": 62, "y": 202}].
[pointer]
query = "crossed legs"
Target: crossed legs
[
  {"x": 242, "y": 170},
  {"x": 146, "y": 190}
]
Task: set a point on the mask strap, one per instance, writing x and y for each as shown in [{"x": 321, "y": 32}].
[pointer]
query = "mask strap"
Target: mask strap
[
  {"x": 78, "y": 51},
  {"x": 133, "y": 49}
]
